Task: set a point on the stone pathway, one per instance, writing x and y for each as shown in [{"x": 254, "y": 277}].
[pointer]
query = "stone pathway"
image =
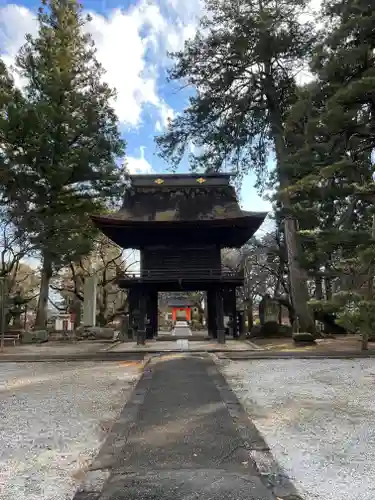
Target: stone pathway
[
  {"x": 177, "y": 439},
  {"x": 181, "y": 331}
]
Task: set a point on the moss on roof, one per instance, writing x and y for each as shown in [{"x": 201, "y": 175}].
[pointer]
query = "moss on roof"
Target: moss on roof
[{"x": 179, "y": 204}]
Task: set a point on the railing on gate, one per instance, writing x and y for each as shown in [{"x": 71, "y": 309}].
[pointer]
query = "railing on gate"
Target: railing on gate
[{"x": 185, "y": 274}]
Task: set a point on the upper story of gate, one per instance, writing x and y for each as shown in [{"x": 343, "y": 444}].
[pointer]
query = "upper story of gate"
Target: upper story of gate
[{"x": 180, "y": 210}]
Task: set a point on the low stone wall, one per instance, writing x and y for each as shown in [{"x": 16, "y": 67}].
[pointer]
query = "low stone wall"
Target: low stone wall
[
  {"x": 95, "y": 333},
  {"x": 34, "y": 336},
  {"x": 61, "y": 335},
  {"x": 271, "y": 329}
]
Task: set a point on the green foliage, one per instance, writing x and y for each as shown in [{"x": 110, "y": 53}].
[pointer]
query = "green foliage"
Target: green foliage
[
  {"x": 11, "y": 125},
  {"x": 330, "y": 136},
  {"x": 270, "y": 329},
  {"x": 324, "y": 306},
  {"x": 64, "y": 153},
  {"x": 285, "y": 331},
  {"x": 356, "y": 314},
  {"x": 196, "y": 326},
  {"x": 241, "y": 64}
]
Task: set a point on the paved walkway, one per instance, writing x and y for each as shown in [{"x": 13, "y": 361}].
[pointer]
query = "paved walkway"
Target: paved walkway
[
  {"x": 177, "y": 439},
  {"x": 182, "y": 331}
]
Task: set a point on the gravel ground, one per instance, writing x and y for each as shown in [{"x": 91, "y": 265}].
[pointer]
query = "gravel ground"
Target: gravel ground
[
  {"x": 52, "y": 347},
  {"x": 53, "y": 419},
  {"x": 318, "y": 418}
]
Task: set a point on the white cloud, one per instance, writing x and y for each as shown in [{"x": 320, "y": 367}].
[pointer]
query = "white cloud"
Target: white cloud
[
  {"x": 166, "y": 114},
  {"x": 131, "y": 45},
  {"x": 138, "y": 165},
  {"x": 15, "y": 22},
  {"x": 192, "y": 147},
  {"x": 122, "y": 50}
]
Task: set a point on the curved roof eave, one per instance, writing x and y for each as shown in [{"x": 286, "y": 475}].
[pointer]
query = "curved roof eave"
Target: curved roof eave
[{"x": 102, "y": 221}]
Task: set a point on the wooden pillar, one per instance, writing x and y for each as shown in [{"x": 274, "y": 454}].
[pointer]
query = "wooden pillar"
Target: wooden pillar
[
  {"x": 148, "y": 328},
  {"x": 241, "y": 324},
  {"x": 132, "y": 306},
  {"x": 153, "y": 314},
  {"x": 141, "y": 331},
  {"x": 234, "y": 313},
  {"x": 156, "y": 313},
  {"x": 220, "y": 316},
  {"x": 211, "y": 314},
  {"x": 208, "y": 314}
]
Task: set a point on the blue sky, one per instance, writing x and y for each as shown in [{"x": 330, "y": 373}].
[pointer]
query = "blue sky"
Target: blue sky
[{"x": 132, "y": 38}]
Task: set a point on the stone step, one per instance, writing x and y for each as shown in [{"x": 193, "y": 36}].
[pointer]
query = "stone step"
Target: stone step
[{"x": 191, "y": 338}]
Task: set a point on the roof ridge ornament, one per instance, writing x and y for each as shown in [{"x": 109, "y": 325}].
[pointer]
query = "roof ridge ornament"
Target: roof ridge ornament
[
  {"x": 201, "y": 180},
  {"x": 159, "y": 181}
]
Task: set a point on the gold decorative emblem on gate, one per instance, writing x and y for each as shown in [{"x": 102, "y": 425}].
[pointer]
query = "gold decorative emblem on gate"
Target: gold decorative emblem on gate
[
  {"x": 201, "y": 180},
  {"x": 159, "y": 181}
]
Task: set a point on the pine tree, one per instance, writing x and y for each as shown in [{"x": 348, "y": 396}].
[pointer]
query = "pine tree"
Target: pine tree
[
  {"x": 70, "y": 140},
  {"x": 11, "y": 105},
  {"x": 338, "y": 137},
  {"x": 242, "y": 65}
]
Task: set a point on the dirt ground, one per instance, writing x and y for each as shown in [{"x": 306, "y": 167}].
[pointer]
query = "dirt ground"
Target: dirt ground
[
  {"x": 56, "y": 347},
  {"x": 342, "y": 343}
]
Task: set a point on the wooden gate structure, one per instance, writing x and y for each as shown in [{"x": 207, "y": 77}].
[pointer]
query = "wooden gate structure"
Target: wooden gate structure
[{"x": 180, "y": 223}]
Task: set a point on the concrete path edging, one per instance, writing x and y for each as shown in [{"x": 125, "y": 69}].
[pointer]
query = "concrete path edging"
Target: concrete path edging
[
  {"x": 138, "y": 354},
  {"x": 263, "y": 355}
]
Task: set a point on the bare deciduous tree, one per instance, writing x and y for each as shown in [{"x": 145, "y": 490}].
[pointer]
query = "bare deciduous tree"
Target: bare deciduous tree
[{"x": 107, "y": 261}]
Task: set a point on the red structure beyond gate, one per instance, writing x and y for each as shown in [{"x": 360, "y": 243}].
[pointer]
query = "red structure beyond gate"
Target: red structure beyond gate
[{"x": 187, "y": 313}]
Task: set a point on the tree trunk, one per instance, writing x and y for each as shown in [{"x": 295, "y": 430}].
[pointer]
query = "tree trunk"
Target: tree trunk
[
  {"x": 328, "y": 287},
  {"x": 46, "y": 275},
  {"x": 250, "y": 316},
  {"x": 280, "y": 314},
  {"x": 370, "y": 293},
  {"x": 262, "y": 310},
  {"x": 102, "y": 301},
  {"x": 101, "y": 318},
  {"x": 298, "y": 280},
  {"x": 77, "y": 311},
  {"x": 77, "y": 302},
  {"x": 318, "y": 288},
  {"x": 297, "y": 275}
]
